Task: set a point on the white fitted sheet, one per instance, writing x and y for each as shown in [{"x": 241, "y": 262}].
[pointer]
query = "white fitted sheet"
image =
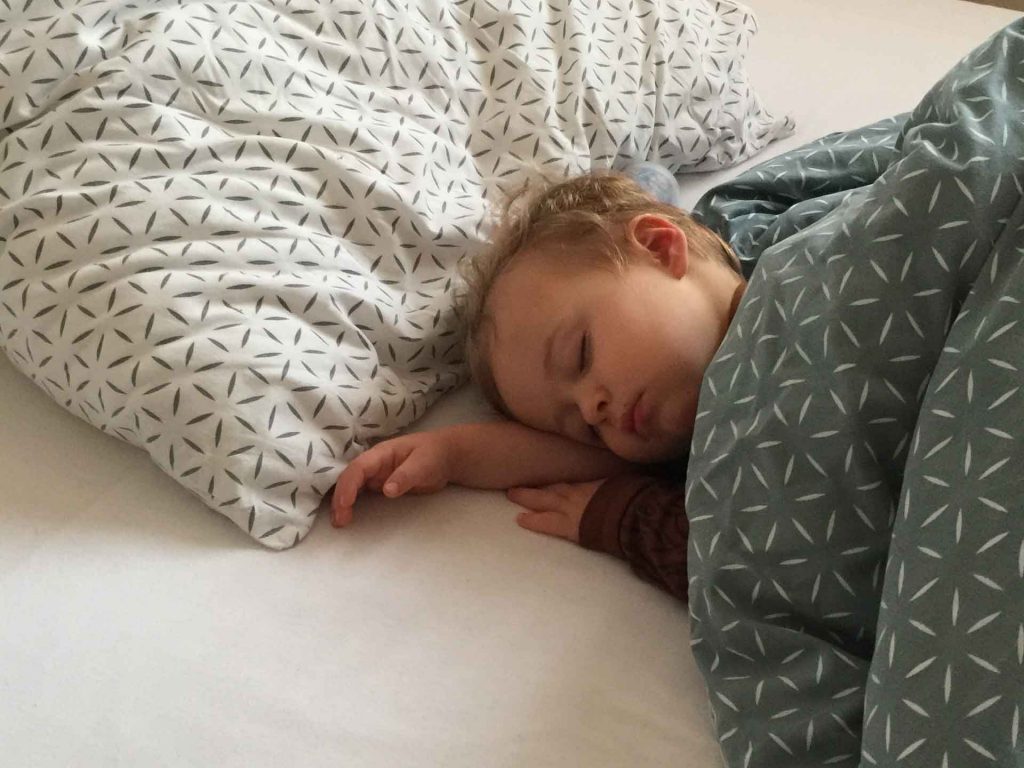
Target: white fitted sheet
[{"x": 139, "y": 628}]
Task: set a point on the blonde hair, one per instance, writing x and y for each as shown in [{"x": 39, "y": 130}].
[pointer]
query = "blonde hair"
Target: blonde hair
[{"x": 576, "y": 211}]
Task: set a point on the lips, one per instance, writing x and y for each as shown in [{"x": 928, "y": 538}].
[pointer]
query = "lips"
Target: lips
[
  {"x": 633, "y": 419},
  {"x": 639, "y": 419},
  {"x": 628, "y": 423}
]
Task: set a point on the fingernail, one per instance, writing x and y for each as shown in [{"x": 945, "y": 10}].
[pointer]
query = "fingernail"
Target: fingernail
[{"x": 390, "y": 489}]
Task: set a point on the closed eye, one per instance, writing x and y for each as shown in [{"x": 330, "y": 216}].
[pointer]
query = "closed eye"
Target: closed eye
[{"x": 585, "y": 352}]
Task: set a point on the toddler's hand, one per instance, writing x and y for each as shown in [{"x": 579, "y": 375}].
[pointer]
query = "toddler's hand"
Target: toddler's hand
[
  {"x": 417, "y": 463},
  {"x": 554, "y": 509}
]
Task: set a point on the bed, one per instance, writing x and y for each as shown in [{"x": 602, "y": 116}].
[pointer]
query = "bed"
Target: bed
[{"x": 142, "y": 629}]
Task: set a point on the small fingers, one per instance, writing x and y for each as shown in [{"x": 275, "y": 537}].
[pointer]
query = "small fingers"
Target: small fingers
[
  {"x": 395, "y": 485},
  {"x": 376, "y": 470},
  {"x": 562, "y": 490},
  {"x": 416, "y": 472},
  {"x": 376, "y": 481},
  {"x": 352, "y": 479},
  {"x": 535, "y": 498},
  {"x": 345, "y": 493},
  {"x": 548, "y": 523},
  {"x": 340, "y": 516}
]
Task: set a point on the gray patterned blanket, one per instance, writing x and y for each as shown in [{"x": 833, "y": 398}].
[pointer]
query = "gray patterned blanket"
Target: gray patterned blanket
[{"x": 855, "y": 488}]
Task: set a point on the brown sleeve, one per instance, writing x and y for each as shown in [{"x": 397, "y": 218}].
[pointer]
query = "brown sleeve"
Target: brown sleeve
[{"x": 641, "y": 519}]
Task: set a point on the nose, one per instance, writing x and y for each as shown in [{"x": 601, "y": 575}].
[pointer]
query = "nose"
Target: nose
[{"x": 593, "y": 402}]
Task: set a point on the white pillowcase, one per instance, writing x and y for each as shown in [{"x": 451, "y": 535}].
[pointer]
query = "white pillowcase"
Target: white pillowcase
[{"x": 230, "y": 231}]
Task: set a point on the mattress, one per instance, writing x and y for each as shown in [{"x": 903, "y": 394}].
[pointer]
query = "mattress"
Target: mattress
[{"x": 142, "y": 629}]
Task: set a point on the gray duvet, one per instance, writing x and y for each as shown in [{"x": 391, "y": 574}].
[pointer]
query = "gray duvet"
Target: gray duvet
[{"x": 855, "y": 489}]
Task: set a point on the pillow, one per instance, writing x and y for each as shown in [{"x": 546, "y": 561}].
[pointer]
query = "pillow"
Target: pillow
[{"x": 231, "y": 232}]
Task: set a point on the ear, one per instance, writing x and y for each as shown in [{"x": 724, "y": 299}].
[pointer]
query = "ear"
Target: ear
[{"x": 664, "y": 241}]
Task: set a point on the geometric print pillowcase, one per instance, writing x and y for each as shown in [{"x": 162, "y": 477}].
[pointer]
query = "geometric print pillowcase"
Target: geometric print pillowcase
[{"x": 229, "y": 233}]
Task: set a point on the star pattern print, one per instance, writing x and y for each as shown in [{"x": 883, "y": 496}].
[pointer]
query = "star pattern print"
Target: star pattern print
[
  {"x": 857, "y": 547},
  {"x": 230, "y": 232}
]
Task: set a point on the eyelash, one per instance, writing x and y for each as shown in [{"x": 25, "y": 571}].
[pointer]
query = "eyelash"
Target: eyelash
[
  {"x": 584, "y": 348},
  {"x": 584, "y": 364}
]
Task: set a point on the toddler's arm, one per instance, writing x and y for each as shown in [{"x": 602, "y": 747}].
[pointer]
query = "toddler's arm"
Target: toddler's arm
[
  {"x": 504, "y": 454},
  {"x": 637, "y": 517},
  {"x": 499, "y": 454}
]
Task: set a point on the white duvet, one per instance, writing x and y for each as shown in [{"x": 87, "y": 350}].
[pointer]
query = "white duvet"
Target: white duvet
[{"x": 229, "y": 232}]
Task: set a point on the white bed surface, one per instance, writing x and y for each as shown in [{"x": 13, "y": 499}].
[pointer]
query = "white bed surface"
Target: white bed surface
[{"x": 142, "y": 629}]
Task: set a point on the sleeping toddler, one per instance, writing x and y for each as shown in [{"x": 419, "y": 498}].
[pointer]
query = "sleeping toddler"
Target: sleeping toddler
[{"x": 590, "y": 320}]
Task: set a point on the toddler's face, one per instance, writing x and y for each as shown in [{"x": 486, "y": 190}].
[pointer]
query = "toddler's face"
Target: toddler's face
[{"x": 606, "y": 357}]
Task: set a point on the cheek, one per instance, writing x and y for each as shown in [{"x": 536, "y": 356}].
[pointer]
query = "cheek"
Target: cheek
[
  {"x": 531, "y": 403},
  {"x": 643, "y": 328},
  {"x": 531, "y": 409},
  {"x": 517, "y": 391}
]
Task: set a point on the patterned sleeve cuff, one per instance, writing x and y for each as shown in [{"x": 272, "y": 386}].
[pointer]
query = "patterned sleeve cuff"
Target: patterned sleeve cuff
[{"x": 602, "y": 519}]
